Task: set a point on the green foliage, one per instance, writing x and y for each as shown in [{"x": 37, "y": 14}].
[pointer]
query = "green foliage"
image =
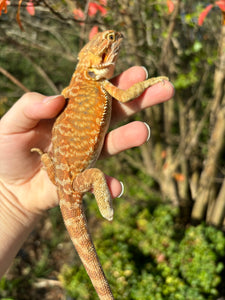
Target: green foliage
[
  {"x": 145, "y": 253},
  {"x": 8, "y": 287},
  {"x": 148, "y": 255}
]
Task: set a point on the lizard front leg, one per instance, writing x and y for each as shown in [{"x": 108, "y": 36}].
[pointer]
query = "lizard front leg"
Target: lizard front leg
[
  {"x": 134, "y": 91},
  {"x": 94, "y": 179}
]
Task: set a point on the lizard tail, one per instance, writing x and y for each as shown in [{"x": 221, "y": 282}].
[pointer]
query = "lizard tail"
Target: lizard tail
[{"x": 72, "y": 211}]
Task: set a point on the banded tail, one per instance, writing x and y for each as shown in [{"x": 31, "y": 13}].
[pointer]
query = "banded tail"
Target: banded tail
[{"x": 76, "y": 224}]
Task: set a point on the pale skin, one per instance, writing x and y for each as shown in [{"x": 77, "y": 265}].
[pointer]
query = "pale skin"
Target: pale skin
[{"x": 25, "y": 189}]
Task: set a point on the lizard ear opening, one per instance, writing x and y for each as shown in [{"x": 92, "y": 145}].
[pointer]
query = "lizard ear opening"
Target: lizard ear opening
[{"x": 91, "y": 74}]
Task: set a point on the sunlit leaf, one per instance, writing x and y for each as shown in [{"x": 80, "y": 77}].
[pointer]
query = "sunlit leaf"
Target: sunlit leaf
[{"x": 197, "y": 46}]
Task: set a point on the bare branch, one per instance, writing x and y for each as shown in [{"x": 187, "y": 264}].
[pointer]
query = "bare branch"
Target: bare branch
[
  {"x": 219, "y": 208},
  {"x": 171, "y": 27},
  {"x": 14, "y": 80},
  {"x": 43, "y": 74},
  {"x": 207, "y": 176}
]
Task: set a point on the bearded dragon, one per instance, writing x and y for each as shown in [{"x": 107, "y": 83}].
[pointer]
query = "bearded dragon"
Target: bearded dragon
[{"x": 77, "y": 139}]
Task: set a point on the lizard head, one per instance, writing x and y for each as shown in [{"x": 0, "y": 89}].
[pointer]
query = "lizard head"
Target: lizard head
[{"x": 98, "y": 57}]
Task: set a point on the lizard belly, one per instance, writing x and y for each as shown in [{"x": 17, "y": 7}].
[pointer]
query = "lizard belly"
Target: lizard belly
[{"x": 78, "y": 133}]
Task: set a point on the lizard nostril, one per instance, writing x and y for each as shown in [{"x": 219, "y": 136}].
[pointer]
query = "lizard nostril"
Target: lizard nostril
[{"x": 120, "y": 35}]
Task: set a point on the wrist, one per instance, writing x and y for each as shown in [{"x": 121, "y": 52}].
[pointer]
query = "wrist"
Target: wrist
[{"x": 16, "y": 223}]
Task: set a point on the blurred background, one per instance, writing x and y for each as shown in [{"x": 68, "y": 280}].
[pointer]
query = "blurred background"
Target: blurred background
[{"x": 167, "y": 238}]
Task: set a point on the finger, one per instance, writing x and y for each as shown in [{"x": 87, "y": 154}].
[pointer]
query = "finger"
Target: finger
[
  {"x": 29, "y": 110},
  {"x": 128, "y": 136},
  {"x": 129, "y": 77},
  {"x": 116, "y": 187},
  {"x": 153, "y": 95}
]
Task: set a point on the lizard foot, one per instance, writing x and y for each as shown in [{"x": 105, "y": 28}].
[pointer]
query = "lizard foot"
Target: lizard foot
[{"x": 94, "y": 179}]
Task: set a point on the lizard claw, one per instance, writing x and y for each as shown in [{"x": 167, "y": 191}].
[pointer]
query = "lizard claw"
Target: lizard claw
[{"x": 107, "y": 214}]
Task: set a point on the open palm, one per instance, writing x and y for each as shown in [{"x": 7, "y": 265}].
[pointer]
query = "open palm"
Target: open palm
[{"x": 28, "y": 124}]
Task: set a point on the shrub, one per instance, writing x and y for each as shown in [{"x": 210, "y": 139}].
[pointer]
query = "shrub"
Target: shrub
[{"x": 148, "y": 255}]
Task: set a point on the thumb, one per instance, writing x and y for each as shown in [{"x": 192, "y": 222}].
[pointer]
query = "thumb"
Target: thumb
[{"x": 29, "y": 110}]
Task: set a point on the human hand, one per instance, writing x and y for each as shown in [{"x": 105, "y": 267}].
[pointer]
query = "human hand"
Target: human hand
[
  {"x": 25, "y": 189},
  {"x": 28, "y": 124}
]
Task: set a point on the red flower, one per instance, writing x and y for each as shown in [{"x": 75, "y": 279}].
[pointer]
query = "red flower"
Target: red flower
[
  {"x": 102, "y": 10},
  {"x": 30, "y": 8},
  {"x": 78, "y": 14},
  {"x": 94, "y": 8},
  {"x": 103, "y": 2},
  {"x": 204, "y": 13},
  {"x": 93, "y": 32},
  {"x": 179, "y": 177},
  {"x": 221, "y": 5},
  {"x": 3, "y": 6},
  {"x": 170, "y": 6}
]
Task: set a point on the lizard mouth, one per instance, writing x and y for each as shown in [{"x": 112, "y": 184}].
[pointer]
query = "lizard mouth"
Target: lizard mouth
[
  {"x": 110, "y": 55},
  {"x": 103, "y": 57}
]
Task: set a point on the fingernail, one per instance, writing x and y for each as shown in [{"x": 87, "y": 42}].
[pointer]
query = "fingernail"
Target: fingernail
[
  {"x": 50, "y": 98},
  {"x": 149, "y": 131},
  {"x": 122, "y": 191},
  {"x": 146, "y": 72}
]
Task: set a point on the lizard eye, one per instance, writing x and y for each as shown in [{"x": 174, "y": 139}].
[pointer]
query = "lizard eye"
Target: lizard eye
[{"x": 111, "y": 37}]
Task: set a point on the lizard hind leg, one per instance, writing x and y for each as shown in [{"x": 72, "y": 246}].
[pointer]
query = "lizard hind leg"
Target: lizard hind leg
[
  {"x": 94, "y": 179},
  {"x": 47, "y": 162}
]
